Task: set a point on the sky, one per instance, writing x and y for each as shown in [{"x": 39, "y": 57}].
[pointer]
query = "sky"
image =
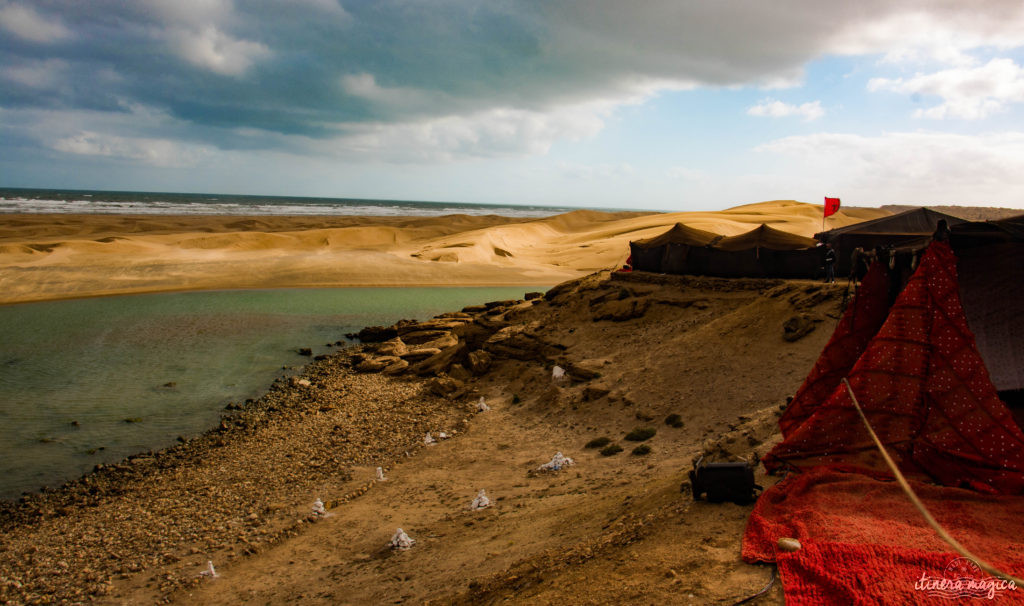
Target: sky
[{"x": 656, "y": 105}]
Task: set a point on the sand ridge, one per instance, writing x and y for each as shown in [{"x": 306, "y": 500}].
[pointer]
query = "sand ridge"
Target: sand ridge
[{"x": 61, "y": 256}]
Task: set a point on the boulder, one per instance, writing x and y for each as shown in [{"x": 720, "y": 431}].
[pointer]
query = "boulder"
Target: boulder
[
  {"x": 420, "y": 353},
  {"x": 474, "y": 309},
  {"x": 578, "y": 372},
  {"x": 396, "y": 368},
  {"x": 530, "y": 296},
  {"x": 376, "y": 334},
  {"x": 797, "y": 327},
  {"x": 437, "y": 363},
  {"x": 474, "y": 335},
  {"x": 505, "y": 303},
  {"x": 517, "y": 342},
  {"x": 479, "y": 361},
  {"x": 443, "y": 386},
  {"x": 431, "y": 338},
  {"x": 392, "y": 347},
  {"x": 376, "y": 364},
  {"x": 459, "y": 373},
  {"x": 447, "y": 324},
  {"x": 490, "y": 323},
  {"x": 419, "y": 337}
]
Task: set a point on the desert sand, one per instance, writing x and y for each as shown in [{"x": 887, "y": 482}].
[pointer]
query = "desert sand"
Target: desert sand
[
  {"x": 617, "y": 529},
  {"x": 61, "y": 256}
]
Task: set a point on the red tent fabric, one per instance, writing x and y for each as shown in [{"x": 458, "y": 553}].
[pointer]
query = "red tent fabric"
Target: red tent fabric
[
  {"x": 926, "y": 392},
  {"x": 858, "y": 325},
  {"x": 863, "y": 542}
]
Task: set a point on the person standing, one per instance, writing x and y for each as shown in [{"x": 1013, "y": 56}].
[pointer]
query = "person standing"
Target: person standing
[{"x": 830, "y": 264}]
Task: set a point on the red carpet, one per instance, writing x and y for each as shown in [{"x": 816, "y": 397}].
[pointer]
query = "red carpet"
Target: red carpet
[{"x": 865, "y": 543}]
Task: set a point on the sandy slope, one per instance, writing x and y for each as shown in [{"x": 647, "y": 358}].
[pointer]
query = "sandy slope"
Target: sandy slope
[
  {"x": 59, "y": 256},
  {"x": 609, "y": 530}
]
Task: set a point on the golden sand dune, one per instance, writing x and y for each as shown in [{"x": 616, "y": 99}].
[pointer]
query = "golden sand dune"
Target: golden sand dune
[{"x": 59, "y": 256}]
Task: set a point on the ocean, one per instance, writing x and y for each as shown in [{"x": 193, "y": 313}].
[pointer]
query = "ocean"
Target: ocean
[
  {"x": 13, "y": 200},
  {"x": 94, "y": 380}
]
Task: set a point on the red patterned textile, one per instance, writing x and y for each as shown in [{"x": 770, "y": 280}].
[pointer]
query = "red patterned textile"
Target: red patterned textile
[
  {"x": 858, "y": 325},
  {"x": 926, "y": 392},
  {"x": 863, "y": 542}
]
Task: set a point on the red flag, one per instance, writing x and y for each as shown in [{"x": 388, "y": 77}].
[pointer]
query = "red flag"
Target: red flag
[{"x": 831, "y": 206}]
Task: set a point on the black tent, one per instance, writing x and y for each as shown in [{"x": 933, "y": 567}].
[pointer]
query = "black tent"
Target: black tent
[
  {"x": 761, "y": 252},
  {"x": 667, "y": 253},
  {"x": 990, "y": 264},
  {"x": 909, "y": 229}
]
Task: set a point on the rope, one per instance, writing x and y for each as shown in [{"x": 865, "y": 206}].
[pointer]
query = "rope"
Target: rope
[{"x": 920, "y": 506}]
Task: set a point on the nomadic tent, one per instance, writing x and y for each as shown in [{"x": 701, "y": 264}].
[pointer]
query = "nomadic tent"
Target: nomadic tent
[
  {"x": 912, "y": 228},
  {"x": 666, "y": 253},
  {"x": 761, "y": 252},
  {"x": 924, "y": 387},
  {"x": 990, "y": 260}
]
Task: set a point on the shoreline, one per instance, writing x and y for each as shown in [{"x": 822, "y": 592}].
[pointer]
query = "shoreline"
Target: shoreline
[{"x": 131, "y": 293}]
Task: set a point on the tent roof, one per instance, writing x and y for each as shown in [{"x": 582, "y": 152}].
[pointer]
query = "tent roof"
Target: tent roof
[
  {"x": 980, "y": 233},
  {"x": 919, "y": 221},
  {"x": 679, "y": 234},
  {"x": 765, "y": 237}
]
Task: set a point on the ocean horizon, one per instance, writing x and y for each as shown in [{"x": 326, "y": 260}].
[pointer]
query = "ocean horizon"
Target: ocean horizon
[{"x": 82, "y": 201}]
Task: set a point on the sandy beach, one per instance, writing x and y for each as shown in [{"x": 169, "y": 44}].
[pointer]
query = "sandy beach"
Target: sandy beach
[
  {"x": 61, "y": 256},
  {"x": 615, "y": 527}
]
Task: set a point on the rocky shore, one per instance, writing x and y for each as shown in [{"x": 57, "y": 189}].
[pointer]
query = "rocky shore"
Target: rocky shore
[
  {"x": 242, "y": 494},
  {"x": 251, "y": 481}
]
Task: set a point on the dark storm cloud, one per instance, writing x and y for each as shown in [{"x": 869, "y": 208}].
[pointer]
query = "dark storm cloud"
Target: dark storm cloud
[{"x": 319, "y": 67}]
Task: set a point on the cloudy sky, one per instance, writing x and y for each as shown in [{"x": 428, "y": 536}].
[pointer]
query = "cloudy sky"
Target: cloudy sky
[{"x": 673, "y": 104}]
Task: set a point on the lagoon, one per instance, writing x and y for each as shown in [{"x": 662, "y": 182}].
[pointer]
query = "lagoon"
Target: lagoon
[{"x": 92, "y": 381}]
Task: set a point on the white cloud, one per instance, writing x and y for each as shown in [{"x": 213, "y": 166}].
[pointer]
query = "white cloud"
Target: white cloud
[
  {"x": 777, "y": 109},
  {"x": 216, "y": 51},
  {"x": 24, "y": 22},
  {"x": 154, "y": 152},
  {"x": 364, "y": 86},
  {"x": 912, "y": 167},
  {"x": 495, "y": 132},
  {"x": 971, "y": 93},
  {"x": 48, "y": 74},
  {"x": 909, "y": 32}
]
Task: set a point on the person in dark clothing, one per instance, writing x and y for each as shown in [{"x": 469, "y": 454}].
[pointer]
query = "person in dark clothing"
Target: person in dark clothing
[{"x": 830, "y": 264}]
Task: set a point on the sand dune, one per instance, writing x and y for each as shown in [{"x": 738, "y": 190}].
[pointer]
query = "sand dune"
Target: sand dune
[{"x": 50, "y": 257}]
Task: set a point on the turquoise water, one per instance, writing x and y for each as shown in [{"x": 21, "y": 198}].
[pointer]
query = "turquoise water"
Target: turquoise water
[{"x": 72, "y": 372}]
